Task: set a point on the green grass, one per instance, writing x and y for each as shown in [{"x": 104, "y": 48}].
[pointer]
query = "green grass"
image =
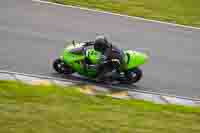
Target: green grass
[
  {"x": 185, "y": 12},
  {"x": 52, "y": 109}
]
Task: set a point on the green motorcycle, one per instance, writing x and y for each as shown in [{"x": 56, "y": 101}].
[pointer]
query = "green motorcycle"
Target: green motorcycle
[{"x": 73, "y": 56}]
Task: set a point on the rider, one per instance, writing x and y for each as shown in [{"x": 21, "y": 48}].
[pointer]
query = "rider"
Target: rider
[{"x": 109, "y": 53}]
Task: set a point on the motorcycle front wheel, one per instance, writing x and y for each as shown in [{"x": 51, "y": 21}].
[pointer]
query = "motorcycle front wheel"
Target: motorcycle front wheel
[{"x": 132, "y": 76}]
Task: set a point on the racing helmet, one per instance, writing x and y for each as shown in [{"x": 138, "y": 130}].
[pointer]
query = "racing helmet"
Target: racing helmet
[{"x": 101, "y": 43}]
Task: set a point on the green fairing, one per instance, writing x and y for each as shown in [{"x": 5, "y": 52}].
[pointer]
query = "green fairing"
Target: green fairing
[
  {"x": 132, "y": 59},
  {"x": 75, "y": 61},
  {"x": 135, "y": 59},
  {"x": 93, "y": 56}
]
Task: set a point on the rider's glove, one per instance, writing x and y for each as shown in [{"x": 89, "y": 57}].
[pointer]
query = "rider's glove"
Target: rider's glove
[
  {"x": 89, "y": 43},
  {"x": 103, "y": 58}
]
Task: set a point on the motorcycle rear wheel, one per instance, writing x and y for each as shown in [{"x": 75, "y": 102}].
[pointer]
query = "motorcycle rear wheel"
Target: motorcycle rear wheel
[{"x": 60, "y": 67}]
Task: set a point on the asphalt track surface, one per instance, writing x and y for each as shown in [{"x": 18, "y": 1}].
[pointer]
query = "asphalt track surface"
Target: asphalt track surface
[{"x": 32, "y": 34}]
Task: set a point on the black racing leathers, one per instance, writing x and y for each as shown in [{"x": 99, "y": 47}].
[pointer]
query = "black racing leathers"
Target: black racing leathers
[
  {"x": 109, "y": 53},
  {"x": 113, "y": 58}
]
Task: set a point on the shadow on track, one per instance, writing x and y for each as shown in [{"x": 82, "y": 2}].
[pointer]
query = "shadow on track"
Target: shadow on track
[{"x": 84, "y": 80}]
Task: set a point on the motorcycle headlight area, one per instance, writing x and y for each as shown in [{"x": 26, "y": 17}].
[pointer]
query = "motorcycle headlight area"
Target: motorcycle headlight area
[{"x": 143, "y": 50}]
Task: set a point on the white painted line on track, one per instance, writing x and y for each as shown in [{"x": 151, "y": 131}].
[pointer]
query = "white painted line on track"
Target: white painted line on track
[
  {"x": 76, "y": 81},
  {"x": 94, "y": 89},
  {"x": 116, "y": 14}
]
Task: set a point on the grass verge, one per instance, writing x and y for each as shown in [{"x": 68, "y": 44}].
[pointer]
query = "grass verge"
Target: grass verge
[
  {"x": 176, "y": 11},
  {"x": 53, "y": 109}
]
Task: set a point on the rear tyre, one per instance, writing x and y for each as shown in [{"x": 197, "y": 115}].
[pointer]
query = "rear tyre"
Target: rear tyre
[
  {"x": 133, "y": 76},
  {"x": 60, "y": 67}
]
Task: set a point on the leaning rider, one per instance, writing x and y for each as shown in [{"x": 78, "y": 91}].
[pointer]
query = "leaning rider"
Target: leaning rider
[{"x": 109, "y": 53}]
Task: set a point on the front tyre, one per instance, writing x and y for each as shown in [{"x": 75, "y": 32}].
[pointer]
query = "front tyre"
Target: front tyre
[
  {"x": 133, "y": 76},
  {"x": 60, "y": 67}
]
